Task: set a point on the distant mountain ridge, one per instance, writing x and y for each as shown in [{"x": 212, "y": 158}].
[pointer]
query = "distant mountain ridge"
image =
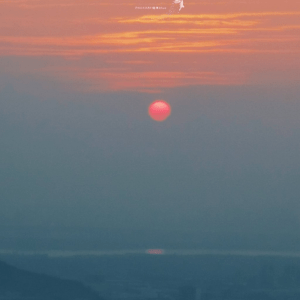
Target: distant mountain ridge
[{"x": 19, "y": 284}]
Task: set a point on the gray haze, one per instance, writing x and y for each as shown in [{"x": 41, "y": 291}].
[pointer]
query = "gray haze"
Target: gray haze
[{"x": 224, "y": 168}]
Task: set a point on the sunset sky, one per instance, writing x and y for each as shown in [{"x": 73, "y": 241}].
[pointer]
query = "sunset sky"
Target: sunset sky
[
  {"x": 78, "y": 148},
  {"x": 112, "y": 46}
]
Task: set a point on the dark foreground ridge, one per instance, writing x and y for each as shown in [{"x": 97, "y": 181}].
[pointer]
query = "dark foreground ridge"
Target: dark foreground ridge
[{"x": 19, "y": 284}]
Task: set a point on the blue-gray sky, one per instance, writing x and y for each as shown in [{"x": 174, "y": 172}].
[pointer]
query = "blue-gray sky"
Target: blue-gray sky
[{"x": 227, "y": 160}]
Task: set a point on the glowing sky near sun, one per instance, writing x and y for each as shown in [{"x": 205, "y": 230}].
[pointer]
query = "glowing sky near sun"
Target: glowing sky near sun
[{"x": 100, "y": 46}]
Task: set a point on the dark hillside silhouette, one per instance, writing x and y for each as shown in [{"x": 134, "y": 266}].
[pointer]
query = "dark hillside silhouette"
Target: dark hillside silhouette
[{"x": 20, "y": 284}]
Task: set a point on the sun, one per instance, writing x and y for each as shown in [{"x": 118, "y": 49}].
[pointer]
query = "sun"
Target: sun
[{"x": 159, "y": 110}]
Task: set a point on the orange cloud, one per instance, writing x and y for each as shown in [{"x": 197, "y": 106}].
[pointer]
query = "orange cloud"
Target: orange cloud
[
  {"x": 142, "y": 81},
  {"x": 154, "y": 51}
]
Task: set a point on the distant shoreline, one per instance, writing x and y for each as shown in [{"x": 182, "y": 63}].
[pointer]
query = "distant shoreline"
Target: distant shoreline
[{"x": 200, "y": 252}]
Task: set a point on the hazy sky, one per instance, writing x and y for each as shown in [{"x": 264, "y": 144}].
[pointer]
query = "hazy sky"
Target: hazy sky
[{"x": 78, "y": 148}]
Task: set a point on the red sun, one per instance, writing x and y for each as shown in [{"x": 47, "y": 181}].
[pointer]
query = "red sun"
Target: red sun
[{"x": 159, "y": 110}]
